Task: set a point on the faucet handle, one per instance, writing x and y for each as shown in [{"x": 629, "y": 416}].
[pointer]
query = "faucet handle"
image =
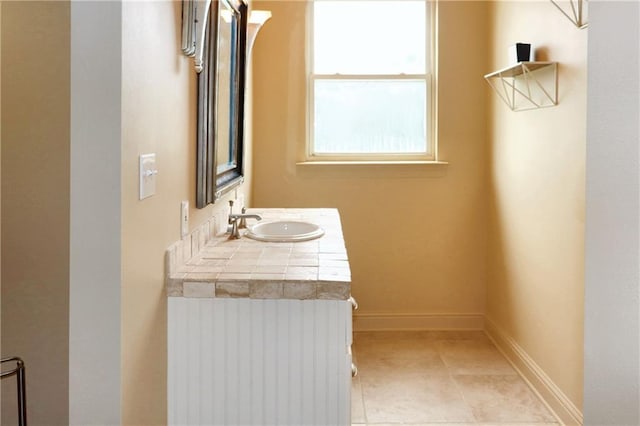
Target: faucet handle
[
  {"x": 243, "y": 220},
  {"x": 230, "y": 210}
]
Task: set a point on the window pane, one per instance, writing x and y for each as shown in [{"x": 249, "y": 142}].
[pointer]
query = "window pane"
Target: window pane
[
  {"x": 369, "y": 37},
  {"x": 369, "y": 116}
]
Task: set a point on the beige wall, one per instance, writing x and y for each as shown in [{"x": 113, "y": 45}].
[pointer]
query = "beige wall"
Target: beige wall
[
  {"x": 158, "y": 115},
  {"x": 35, "y": 204},
  {"x": 415, "y": 234},
  {"x": 536, "y": 244}
]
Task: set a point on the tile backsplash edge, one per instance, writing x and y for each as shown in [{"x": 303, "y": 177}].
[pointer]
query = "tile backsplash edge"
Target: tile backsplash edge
[{"x": 180, "y": 252}]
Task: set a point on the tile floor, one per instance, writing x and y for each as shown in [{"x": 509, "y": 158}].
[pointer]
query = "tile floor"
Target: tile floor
[{"x": 439, "y": 377}]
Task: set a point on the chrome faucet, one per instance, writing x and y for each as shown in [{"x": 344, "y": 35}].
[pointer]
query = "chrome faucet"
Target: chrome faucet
[{"x": 238, "y": 221}]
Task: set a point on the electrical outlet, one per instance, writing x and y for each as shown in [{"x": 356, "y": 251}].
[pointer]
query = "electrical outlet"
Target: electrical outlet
[{"x": 184, "y": 218}]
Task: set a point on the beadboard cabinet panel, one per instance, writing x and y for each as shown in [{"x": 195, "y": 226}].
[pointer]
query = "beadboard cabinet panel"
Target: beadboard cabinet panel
[{"x": 259, "y": 362}]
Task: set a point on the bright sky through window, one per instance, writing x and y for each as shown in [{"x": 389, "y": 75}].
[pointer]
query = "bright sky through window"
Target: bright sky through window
[{"x": 386, "y": 37}]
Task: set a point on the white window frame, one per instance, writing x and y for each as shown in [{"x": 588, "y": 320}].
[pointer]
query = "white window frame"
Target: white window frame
[{"x": 431, "y": 154}]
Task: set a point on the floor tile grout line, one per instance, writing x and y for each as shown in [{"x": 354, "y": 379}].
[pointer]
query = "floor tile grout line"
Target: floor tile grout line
[
  {"x": 524, "y": 378},
  {"x": 464, "y": 398},
  {"x": 453, "y": 379}
]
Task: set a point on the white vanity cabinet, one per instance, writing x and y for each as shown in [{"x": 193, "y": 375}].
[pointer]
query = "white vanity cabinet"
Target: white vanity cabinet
[
  {"x": 240, "y": 361},
  {"x": 259, "y": 333}
]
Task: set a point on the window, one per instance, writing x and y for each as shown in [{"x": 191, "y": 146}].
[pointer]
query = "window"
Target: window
[{"x": 370, "y": 80}]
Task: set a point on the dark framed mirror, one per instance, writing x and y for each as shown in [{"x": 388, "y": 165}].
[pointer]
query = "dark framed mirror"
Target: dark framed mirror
[{"x": 221, "y": 90}]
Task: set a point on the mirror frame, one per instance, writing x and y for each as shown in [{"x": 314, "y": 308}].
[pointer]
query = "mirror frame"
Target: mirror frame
[{"x": 211, "y": 185}]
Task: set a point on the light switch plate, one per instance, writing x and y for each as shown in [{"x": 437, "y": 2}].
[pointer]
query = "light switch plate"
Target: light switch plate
[
  {"x": 184, "y": 218},
  {"x": 148, "y": 172}
]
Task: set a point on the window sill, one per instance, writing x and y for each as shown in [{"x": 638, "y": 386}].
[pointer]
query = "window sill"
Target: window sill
[{"x": 371, "y": 163}]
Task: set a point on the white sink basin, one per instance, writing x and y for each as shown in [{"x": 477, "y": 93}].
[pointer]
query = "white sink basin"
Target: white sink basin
[{"x": 284, "y": 231}]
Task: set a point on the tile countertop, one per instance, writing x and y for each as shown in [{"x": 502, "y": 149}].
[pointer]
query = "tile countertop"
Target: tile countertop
[{"x": 245, "y": 268}]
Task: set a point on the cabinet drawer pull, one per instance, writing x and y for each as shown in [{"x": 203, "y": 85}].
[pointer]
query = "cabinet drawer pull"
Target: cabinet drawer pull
[
  {"x": 353, "y": 302},
  {"x": 354, "y": 370}
]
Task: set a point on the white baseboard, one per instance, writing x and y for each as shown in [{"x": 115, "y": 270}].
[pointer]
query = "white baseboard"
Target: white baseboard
[
  {"x": 548, "y": 391},
  {"x": 379, "y": 322}
]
